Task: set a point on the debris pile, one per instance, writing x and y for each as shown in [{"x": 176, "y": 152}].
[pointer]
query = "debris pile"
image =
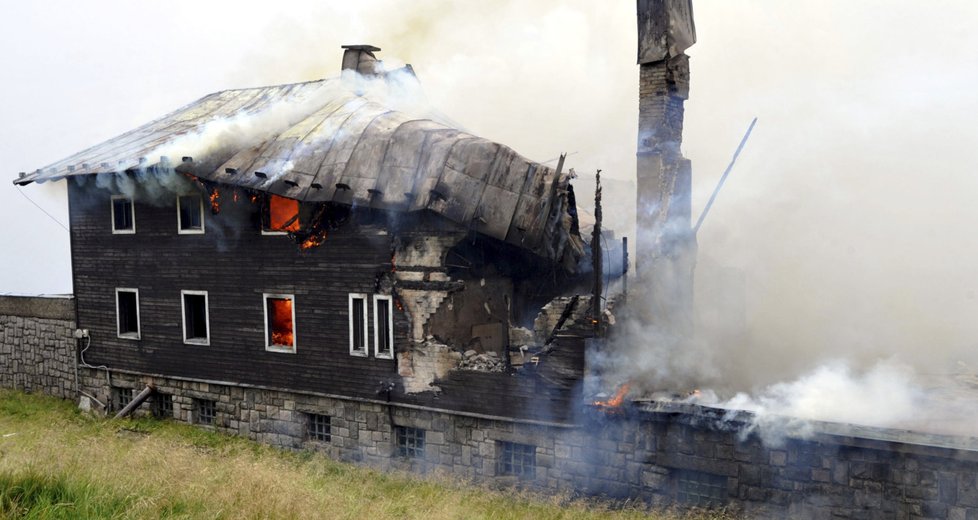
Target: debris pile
[{"x": 488, "y": 362}]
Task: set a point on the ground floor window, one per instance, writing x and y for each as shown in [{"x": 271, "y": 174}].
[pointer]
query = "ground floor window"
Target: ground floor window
[
  {"x": 410, "y": 442},
  {"x": 317, "y": 427},
  {"x": 127, "y": 313},
  {"x": 121, "y": 397},
  {"x": 206, "y": 411},
  {"x": 700, "y": 489},
  {"x": 163, "y": 406},
  {"x": 519, "y": 460},
  {"x": 280, "y": 323}
]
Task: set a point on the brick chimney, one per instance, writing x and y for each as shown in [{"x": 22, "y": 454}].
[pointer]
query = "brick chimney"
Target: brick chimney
[
  {"x": 665, "y": 245},
  {"x": 361, "y": 58}
]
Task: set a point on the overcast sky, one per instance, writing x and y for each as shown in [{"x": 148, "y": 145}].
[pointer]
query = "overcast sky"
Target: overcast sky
[{"x": 853, "y": 203}]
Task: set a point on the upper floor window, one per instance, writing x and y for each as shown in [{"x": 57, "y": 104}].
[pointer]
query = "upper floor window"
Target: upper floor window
[
  {"x": 358, "y": 324},
  {"x": 280, "y": 323},
  {"x": 279, "y": 215},
  {"x": 127, "y": 313},
  {"x": 383, "y": 327},
  {"x": 196, "y": 319},
  {"x": 190, "y": 214},
  {"x": 123, "y": 215}
]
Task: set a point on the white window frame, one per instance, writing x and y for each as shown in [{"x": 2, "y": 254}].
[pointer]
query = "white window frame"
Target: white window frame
[
  {"x": 180, "y": 229},
  {"x": 389, "y": 354},
  {"x": 132, "y": 207},
  {"x": 139, "y": 325},
  {"x": 295, "y": 339},
  {"x": 268, "y": 210},
  {"x": 366, "y": 332},
  {"x": 207, "y": 317}
]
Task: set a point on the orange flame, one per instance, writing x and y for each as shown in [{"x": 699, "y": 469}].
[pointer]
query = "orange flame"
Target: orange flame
[
  {"x": 616, "y": 400},
  {"x": 235, "y": 197},
  {"x": 215, "y": 201},
  {"x": 280, "y": 310},
  {"x": 281, "y": 211},
  {"x": 314, "y": 240}
]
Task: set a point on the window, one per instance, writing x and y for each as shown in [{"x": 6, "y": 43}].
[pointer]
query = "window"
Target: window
[
  {"x": 279, "y": 323},
  {"x": 206, "y": 411},
  {"x": 700, "y": 489},
  {"x": 196, "y": 320},
  {"x": 190, "y": 214},
  {"x": 121, "y": 397},
  {"x": 317, "y": 427},
  {"x": 519, "y": 460},
  {"x": 127, "y": 313},
  {"x": 280, "y": 215},
  {"x": 383, "y": 327},
  {"x": 358, "y": 324},
  {"x": 410, "y": 442},
  {"x": 123, "y": 215},
  {"x": 163, "y": 406}
]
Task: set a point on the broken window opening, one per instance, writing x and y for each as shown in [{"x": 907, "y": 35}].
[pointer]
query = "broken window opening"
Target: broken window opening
[
  {"x": 518, "y": 460},
  {"x": 123, "y": 215},
  {"x": 358, "y": 324},
  {"x": 190, "y": 214},
  {"x": 280, "y": 215},
  {"x": 127, "y": 313},
  {"x": 279, "y": 323},
  {"x": 317, "y": 427},
  {"x": 410, "y": 442},
  {"x": 383, "y": 327},
  {"x": 196, "y": 318}
]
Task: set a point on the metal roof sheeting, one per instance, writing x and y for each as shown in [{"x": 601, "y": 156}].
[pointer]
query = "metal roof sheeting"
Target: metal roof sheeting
[{"x": 340, "y": 140}]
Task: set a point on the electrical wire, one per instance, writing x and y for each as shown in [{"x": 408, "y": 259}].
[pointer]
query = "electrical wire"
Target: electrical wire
[{"x": 42, "y": 209}]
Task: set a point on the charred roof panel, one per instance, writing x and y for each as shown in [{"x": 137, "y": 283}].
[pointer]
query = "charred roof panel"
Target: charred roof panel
[{"x": 342, "y": 141}]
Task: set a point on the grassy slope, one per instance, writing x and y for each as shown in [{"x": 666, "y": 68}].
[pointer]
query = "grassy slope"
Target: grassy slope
[{"x": 58, "y": 463}]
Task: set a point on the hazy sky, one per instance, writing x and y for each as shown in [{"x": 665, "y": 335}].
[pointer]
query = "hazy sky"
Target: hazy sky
[{"x": 851, "y": 213}]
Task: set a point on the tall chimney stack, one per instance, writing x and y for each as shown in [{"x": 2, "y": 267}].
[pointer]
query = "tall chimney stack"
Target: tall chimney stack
[{"x": 665, "y": 245}]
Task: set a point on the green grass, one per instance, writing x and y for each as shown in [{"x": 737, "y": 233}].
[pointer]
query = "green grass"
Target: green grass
[{"x": 56, "y": 462}]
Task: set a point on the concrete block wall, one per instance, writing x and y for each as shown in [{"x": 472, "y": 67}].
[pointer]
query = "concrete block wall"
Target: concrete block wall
[{"x": 37, "y": 349}]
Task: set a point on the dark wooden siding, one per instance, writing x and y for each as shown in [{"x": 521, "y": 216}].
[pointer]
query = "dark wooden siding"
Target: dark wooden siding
[{"x": 236, "y": 264}]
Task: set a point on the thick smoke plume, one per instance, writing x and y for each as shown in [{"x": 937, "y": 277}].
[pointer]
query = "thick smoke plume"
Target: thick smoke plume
[{"x": 841, "y": 243}]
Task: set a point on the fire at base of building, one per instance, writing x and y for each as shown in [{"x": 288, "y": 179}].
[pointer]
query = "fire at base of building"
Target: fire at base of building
[{"x": 327, "y": 265}]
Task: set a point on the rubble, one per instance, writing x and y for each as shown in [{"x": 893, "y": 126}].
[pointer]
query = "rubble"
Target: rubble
[{"x": 489, "y": 362}]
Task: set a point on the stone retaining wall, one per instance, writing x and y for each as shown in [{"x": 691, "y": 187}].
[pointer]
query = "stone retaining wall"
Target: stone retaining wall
[{"x": 37, "y": 349}]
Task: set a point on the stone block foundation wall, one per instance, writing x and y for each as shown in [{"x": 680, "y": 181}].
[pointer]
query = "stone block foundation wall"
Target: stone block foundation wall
[
  {"x": 37, "y": 349},
  {"x": 662, "y": 456}
]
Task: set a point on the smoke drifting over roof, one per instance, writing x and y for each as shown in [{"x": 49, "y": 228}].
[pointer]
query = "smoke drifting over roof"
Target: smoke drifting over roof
[{"x": 846, "y": 227}]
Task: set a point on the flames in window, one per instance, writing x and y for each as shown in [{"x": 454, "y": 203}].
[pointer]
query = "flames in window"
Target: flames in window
[
  {"x": 280, "y": 322},
  {"x": 283, "y": 214}
]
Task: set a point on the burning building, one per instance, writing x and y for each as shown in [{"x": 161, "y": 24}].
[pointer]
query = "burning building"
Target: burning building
[{"x": 333, "y": 265}]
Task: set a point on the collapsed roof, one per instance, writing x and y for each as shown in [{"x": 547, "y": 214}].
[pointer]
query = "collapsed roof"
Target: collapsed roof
[{"x": 358, "y": 139}]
